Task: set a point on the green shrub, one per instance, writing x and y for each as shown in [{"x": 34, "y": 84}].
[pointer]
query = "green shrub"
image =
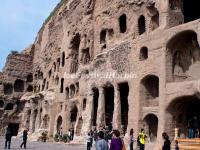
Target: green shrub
[
  {"x": 56, "y": 137},
  {"x": 65, "y": 138}
]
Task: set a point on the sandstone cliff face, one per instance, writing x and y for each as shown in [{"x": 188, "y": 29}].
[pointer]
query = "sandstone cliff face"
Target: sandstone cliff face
[{"x": 101, "y": 62}]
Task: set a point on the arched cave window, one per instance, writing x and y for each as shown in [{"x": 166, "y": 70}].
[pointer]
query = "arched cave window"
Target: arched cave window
[
  {"x": 1, "y": 104},
  {"x": 19, "y": 85},
  {"x": 74, "y": 113},
  {"x": 30, "y": 88},
  {"x": 85, "y": 58},
  {"x": 67, "y": 92},
  {"x": 122, "y": 23},
  {"x": 62, "y": 85},
  {"x": 183, "y": 57},
  {"x": 9, "y": 106},
  {"x": 84, "y": 103},
  {"x": 72, "y": 90},
  {"x": 75, "y": 43},
  {"x": 8, "y": 89},
  {"x": 30, "y": 78},
  {"x": 49, "y": 73},
  {"x": 63, "y": 59},
  {"x": 54, "y": 66},
  {"x": 103, "y": 37},
  {"x": 143, "y": 53},
  {"x": 155, "y": 21},
  {"x": 150, "y": 87},
  {"x": 141, "y": 25},
  {"x": 58, "y": 64}
]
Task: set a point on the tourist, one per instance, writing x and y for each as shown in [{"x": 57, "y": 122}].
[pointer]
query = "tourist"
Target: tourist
[
  {"x": 72, "y": 134},
  {"x": 141, "y": 139},
  {"x": 95, "y": 136},
  {"x": 101, "y": 143},
  {"x": 91, "y": 137},
  {"x": 131, "y": 139},
  {"x": 167, "y": 143},
  {"x": 8, "y": 137},
  {"x": 69, "y": 134},
  {"x": 193, "y": 127},
  {"x": 176, "y": 145},
  {"x": 110, "y": 127},
  {"x": 60, "y": 134},
  {"x": 24, "y": 138},
  {"x": 88, "y": 141},
  {"x": 116, "y": 142}
]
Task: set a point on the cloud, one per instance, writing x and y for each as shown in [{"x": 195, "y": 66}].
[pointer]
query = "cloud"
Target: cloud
[{"x": 20, "y": 22}]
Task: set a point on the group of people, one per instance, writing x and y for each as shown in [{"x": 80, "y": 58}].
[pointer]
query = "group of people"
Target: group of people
[
  {"x": 70, "y": 134},
  {"x": 194, "y": 128},
  {"x": 104, "y": 139},
  {"x": 115, "y": 141},
  {"x": 9, "y": 135}
]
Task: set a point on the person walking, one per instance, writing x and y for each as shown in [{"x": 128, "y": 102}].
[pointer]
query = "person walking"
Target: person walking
[
  {"x": 167, "y": 143},
  {"x": 131, "y": 139},
  {"x": 72, "y": 134},
  {"x": 141, "y": 139},
  {"x": 8, "y": 138},
  {"x": 91, "y": 137},
  {"x": 116, "y": 142},
  {"x": 24, "y": 137},
  {"x": 60, "y": 134},
  {"x": 101, "y": 143},
  {"x": 88, "y": 141},
  {"x": 176, "y": 145}
]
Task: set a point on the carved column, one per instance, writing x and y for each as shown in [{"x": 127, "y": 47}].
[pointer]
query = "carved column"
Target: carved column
[
  {"x": 38, "y": 120},
  {"x": 117, "y": 109},
  {"x": 26, "y": 118},
  {"x": 101, "y": 109},
  {"x": 32, "y": 121},
  {"x": 88, "y": 114}
]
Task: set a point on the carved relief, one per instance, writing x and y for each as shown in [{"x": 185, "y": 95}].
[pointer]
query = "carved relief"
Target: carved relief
[{"x": 118, "y": 57}]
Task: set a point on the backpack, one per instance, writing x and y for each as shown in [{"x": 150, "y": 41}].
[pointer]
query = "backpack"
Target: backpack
[{"x": 138, "y": 140}]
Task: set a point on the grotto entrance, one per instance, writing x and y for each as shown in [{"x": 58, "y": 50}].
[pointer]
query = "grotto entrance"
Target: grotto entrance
[
  {"x": 183, "y": 57},
  {"x": 151, "y": 126},
  {"x": 14, "y": 127},
  {"x": 74, "y": 114},
  {"x": 184, "y": 114},
  {"x": 109, "y": 103},
  {"x": 59, "y": 124},
  {"x": 124, "y": 91},
  {"x": 95, "y": 105}
]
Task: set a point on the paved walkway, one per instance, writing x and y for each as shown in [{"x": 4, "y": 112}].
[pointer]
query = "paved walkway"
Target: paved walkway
[{"x": 41, "y": 146}]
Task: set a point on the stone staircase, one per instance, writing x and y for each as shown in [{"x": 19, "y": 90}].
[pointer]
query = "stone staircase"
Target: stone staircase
[{"x": 189, "y": 144}]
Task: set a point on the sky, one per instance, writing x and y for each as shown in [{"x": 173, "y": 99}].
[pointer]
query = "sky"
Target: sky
[{"x": 20, "y": 21}]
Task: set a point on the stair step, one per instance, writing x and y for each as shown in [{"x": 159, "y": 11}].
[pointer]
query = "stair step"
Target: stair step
[{"x": 189, "y": 147}]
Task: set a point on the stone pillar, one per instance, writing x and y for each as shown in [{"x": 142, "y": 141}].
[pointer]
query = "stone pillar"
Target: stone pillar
[
  {"x": 32, "y": 122},
  {"x": 101, "y": 121},
  {"x": 117, "y": 109},
  {"x": 88, "y": 114},
  {"x": 25, "y": 118},
  {"x": 38, "y": 120}
]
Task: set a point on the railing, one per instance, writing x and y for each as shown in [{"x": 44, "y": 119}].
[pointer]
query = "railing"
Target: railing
[{"x": 187, "y": 143}]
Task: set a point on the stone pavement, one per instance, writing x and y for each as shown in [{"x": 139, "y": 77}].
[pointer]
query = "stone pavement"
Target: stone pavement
[{"x": 41, "y": 146}]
